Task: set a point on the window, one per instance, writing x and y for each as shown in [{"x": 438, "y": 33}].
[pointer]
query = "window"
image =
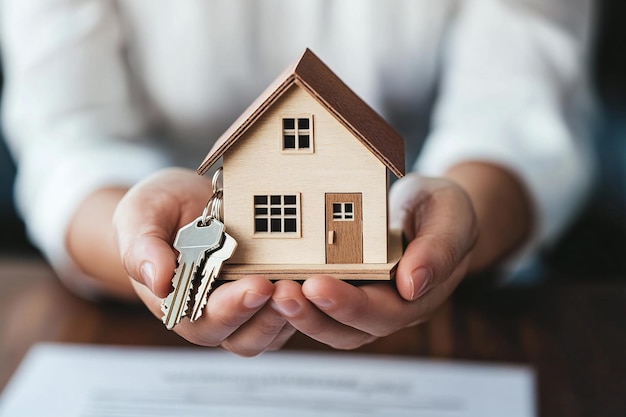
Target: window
[
  {"x": 297, "y": 134},
  {"x": 277, "y": 215},
  {"x": 343, "y": 211}
]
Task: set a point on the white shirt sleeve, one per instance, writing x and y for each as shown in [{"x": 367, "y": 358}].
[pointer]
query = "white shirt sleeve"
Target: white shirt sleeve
[
  {"x": 514, "y": 93},
  {"x": 71, "y": 119}
]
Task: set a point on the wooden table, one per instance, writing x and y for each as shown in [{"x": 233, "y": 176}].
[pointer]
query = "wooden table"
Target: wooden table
[{"x": 572, "y": 334}]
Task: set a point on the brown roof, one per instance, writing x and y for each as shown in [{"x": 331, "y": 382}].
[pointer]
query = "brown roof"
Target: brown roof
[{"x": 316, "y": 78}]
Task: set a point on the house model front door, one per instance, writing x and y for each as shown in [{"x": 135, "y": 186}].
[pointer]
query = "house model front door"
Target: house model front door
[{"x": 344, "y": 228}]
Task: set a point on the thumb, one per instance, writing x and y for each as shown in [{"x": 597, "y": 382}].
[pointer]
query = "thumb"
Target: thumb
[
  {"x": 144, "y": 247},
  {"x": 439, "y": 220},
  {"x": 145, "y": 222},
  {"x": 150, "y": 261}
]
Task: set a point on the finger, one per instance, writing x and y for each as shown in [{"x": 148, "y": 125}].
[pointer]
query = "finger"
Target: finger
[
  {"x": 441, "y": 222},
  {"x": 430, "y": 301},
  {"x": 228, "y": 307},
  {"x": 375, "y": 309},
  {"x": 150, "y": 260},
  {"x": 146, "y": 220},
  {"x": 289, "y": 300},
  {"x": 283, "y": 337},
  {"x": 257, "y": 334}
]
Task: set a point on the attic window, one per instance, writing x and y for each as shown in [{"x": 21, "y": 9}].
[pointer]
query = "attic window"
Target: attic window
[{"x": 297, "y": 134}]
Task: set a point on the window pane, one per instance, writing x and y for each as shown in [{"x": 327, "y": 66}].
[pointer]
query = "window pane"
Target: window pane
[
  {"x": 348, "y": 217},
  {"x": 337, "y": 216},
  {"x": 303, "y": 123},
  {"x": 289, "y": 142},
  {"x": 276, "y": 214},
  {"x": 348, "y": 208},
  {"x": 290, "y": 225},
  {"x": 260, "y": 225},
  {"x": 336, "y": 207},
  {"x": 289, "y": 124},
  {"x": 303, "y": 141}
]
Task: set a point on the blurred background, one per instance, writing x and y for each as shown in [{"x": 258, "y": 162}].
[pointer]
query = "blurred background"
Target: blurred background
[{"x": 595, "y": 243}]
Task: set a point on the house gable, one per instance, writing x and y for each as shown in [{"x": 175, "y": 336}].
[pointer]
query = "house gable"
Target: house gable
[{"x": 320, "y": 82}]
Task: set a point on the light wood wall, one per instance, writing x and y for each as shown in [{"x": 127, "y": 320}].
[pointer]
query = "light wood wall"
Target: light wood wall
[{"x": 255, "y": 164}]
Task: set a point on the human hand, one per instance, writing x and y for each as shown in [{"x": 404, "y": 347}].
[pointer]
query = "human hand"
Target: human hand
[
  {"x": 146, "y": 221},
  {"x": 438, "y": 219}
]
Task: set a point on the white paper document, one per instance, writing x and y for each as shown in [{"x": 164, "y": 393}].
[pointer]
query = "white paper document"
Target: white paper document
[{"x": 90, "y": 381}]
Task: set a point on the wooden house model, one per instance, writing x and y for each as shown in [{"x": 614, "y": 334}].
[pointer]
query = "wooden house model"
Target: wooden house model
[{"x": 305, "y": 178}]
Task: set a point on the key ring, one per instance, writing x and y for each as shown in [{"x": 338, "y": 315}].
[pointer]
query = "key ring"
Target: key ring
[{"x": 214, "y": 205}]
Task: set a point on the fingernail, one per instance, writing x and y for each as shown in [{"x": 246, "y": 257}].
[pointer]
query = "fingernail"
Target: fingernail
[
  {"x": 147, "y": 274},
  {"x": 287, "y": 307},
  {"x": 322, "y": 302},
  {"x": 420, "y": 279},
  {"x": 254, "y": 300}
]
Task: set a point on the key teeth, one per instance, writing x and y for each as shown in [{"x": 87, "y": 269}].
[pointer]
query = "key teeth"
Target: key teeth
[
  {"x": 165, "y": 308},
  {"x": 203, "y": 302},
  {"x": 201, "y": 295},
  {"x": 167, "y": 302}
]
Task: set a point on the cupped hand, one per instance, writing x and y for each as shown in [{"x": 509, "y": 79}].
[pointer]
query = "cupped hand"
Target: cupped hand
[
  {"x": 146, "y": 220},
  {"x": 438, "y": 219}
]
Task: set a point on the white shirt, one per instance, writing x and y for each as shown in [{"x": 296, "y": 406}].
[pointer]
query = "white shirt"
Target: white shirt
[{"x": 104, "y": 92}]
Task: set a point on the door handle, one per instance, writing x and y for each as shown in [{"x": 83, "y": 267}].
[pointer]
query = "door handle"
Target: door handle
[{"x": 331, "y": 237}]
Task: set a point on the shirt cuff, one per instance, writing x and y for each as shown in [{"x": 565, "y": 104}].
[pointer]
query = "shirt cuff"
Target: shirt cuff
[
  {"x": 48, "y": 195},
  {"x": 554, "y": 168}
]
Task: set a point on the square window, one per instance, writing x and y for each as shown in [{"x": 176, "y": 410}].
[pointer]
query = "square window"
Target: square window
[
  {"x": 277, "y": 215},
  {"x": 303, "y": 141},
  {"x": 289, "y": 123},
  {"x": 290, "y": 142},
  {"x": 343, "y": 211},
  {"x": 260, "y": 225},
  {"x": 276, "y": 223},
  {"x": 303, "y": 123},
  {"x": 290, "y": 225},
  {"x": 297, "y": 134}
]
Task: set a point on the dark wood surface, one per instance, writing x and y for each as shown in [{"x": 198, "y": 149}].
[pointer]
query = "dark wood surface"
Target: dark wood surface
[{"x": 573, "y": 334}]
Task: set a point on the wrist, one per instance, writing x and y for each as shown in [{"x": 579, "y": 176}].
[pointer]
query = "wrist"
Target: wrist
[
  {"x": 90, "y": 242},
  {"x": 503, "y": 210}
]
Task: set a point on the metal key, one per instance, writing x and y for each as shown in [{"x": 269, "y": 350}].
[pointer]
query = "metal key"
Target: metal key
[
  {"x": 192, "y": 241},
  {"x": 210, "y": 272}
]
